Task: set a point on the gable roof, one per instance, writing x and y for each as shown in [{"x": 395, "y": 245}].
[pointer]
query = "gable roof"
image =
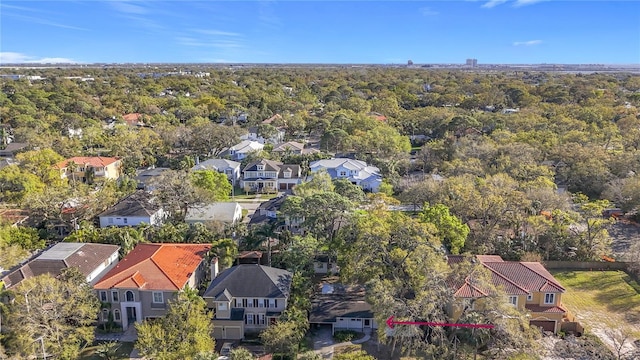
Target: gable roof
[
  {"x": 140, "y": 203},
  {"x": 94, "y": 161},
  {"x": 364, "y": 171},
  {"x": 216, "y": 164},
  {"x": 166, "y": 267},
  {"x": 272, "y": 119},
  {"x": 269, "y": 165},
  {"x": 251, "y": 280},
  {"x": 246, "y": 146},
  {"x": 291, "y": 146},
  {"x": 516, "y": 278},
  {"x": 87, "y": 257}
]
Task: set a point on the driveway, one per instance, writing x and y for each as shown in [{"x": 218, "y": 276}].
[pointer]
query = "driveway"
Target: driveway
[{"x": 323, "y": 341}]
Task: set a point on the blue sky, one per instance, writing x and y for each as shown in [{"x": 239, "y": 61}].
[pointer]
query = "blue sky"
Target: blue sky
[{"x": 377, "y": 32}]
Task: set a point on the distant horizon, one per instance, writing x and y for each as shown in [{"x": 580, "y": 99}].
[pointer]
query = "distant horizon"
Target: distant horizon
[{"x": 320, "y": 32}]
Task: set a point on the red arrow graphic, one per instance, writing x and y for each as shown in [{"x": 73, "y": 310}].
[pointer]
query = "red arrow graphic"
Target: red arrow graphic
[{"x": 391, "y": 323}]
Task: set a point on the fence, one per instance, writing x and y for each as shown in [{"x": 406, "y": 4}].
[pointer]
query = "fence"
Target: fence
[{"x": 586, "y": 265}]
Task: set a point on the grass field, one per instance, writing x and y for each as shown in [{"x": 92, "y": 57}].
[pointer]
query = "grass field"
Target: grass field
[
  {"x": 602, "y": 300},
  {"x": 123, "y": 352}
]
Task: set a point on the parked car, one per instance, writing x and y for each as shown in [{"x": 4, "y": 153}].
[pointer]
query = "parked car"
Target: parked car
[{"x": 225, "y": 351}]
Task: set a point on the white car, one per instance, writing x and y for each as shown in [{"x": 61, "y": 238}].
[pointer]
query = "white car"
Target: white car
[{"x": 225, "y": 351}]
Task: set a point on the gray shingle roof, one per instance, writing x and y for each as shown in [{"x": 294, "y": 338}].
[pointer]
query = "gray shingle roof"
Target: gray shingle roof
[
  {"x": 139, "y": 203},
  {"x": 251, "y": 281}
]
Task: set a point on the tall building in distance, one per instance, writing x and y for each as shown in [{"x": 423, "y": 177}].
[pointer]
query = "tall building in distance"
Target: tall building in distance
[{"x": 472, "y": 62}]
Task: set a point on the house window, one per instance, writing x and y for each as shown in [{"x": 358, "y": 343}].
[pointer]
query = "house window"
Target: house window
[
  {"x": 157, "y": 297},
  {"x": 343, "y": 173},
  {"x": 260, "y": 167},
  {"x": 244, "y": 303},
  {"x": 513, "y": 300},
  {"x": 103, "y": 296},
  {"x": 287, "y": 174},
  {"x": 114, "y": 296},
  {"x": 261, "y": 319},
  {"x": 549, "y": 298},
  {"x": 110, "y": 221},
  {"x": 530, "y": 297},
  {"x": 125, "y": 220},
  {"x": 116, "y": 315},
  {"x": 222, "y": 306},
  {"x": 129, "y": 296},
  {"x": 265, "y": 303},
  {"x": 255, "y": 303},
  {"x": 105, "y": 315},
  {"x": 248, "y": 319}
]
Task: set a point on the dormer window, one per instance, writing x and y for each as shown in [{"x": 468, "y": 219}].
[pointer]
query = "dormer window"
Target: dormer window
[
  {"x": 260, "y": 167},
  {"x": 287, "y": 174}
]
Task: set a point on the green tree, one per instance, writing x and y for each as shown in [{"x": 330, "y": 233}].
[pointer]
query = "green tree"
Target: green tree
[
  {"x": 320, "y": 182},
  {"x": 354, "y": 355},
  {"x": 451, "y": 231},
  {"x": 241, "y": 353},
  {"x": 182, "y": 333},
  {"x": 16, "y": 184},
  {"x": 40, "y": 163},
  {"x": 283, "y": 338},
  {"x": 215, "y": 185},
  {"x": 348, "y": 190},
  {"x": 61, "y": 312}
]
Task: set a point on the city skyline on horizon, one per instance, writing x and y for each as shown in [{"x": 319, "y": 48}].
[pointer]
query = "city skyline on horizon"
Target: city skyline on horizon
[{"x": 496, "y": 32}]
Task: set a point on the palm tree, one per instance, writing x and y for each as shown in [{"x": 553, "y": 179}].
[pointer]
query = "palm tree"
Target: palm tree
[{"x": 72, "y": 167}]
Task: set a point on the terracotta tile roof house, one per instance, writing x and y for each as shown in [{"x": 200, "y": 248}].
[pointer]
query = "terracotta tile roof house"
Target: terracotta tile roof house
[
  {"x": 247, "y": 298},
  {"x": 133, "y": 210},
  {"x": 93, "y": 261},
  {"x": 529, "y": 286},
  {"x": 103, "y": 167},
  {"x": 134, "y": 119},
  {"x": 143, "y": 281}
]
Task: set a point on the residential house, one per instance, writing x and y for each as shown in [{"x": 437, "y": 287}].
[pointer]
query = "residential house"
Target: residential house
[
  {"x": 246, "y": 299},
  {"x": 323, "y": 264},
  {"x": 102, "y": 167},
  {"x": 356, "y": 171},
  {"x": 528, "y": 285},
  {"x": 270, "y": 176},
  {"x": 143, "y": 282},
  {"x": 93, "y": 261},
  {"x": 13, "y": 148},
  {"x": 253, "y": 134},
  {"x": 134, "y": 119},
  {"x": 294, "y": 147},
  {"x": 135, "y": 209},
  {"x": 228, "y": 213},
  {"x": 268, "y": 211},
  {"x": 145, "y": 178},
  {"x": 227, "y": 167},
  {"x": 343, "y": 307},
  {"x": 241, "y": 150}
]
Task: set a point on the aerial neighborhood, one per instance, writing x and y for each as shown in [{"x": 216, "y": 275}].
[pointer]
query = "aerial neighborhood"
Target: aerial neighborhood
[{"x": 312, "y": 213}]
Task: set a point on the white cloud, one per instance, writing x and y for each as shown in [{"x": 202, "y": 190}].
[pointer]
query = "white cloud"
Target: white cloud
[
  {"x": 128, "y": 8},
  {"x": 37, "y": 20},
  {"x": 527, "y": 43},
  {"x": 527, "y": 2},
  {"x": 19, "y": 58},
  {"x": 427, "y": 11},
  {"x": 493, "y": 3},
  {"x": 216, "y": 32}
]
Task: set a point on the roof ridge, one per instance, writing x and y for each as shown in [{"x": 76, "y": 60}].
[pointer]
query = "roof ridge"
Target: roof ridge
[
  {"x": 553, "y": 281},
  {"x": 161, "y": 269},
  {"x": 504, "y": 277}
]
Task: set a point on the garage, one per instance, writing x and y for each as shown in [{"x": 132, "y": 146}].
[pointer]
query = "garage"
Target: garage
[
  {"x": 544, "y": 325},
  {"x": 227, "y": 332},
  {"x": 283, "y": 186}
]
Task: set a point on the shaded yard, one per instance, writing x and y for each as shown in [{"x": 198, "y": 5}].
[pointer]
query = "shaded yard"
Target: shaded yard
[
  {"x": 123, "y": 352},
  {"x": 602, "y": 300}
]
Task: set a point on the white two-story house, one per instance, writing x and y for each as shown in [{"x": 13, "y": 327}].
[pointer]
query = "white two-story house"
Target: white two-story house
[
  {"x": 356, "y": 171},
  {"x": 246, "y": 299},
  {"x": 270, "y": 176}
]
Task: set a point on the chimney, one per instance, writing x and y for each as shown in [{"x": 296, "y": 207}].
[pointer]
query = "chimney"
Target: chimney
[
  {"x": 214, "y": 268},
  {"x": 197, "y": 159}
]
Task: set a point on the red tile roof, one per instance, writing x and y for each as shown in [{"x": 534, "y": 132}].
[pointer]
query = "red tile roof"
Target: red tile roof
[
  {"x": 95, "y": 161},
  {"x": 156, "y": 267},
  {"x": 545, "y": 309},
  {"x": 516, "y": 278}
]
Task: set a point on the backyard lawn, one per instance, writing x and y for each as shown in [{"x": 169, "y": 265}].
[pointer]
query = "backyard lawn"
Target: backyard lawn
[
  {"x": 602, "y": 300},
  {"x": 123, "y": 352}
]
